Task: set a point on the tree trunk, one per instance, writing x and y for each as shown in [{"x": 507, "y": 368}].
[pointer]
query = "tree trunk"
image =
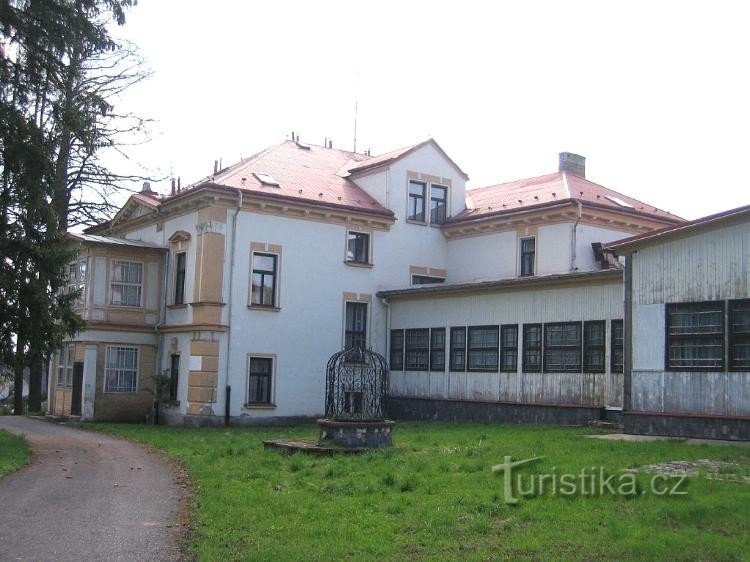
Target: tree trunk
[
  {"x": 18, "y": 388},
  {"x": 35, "y": 382}
]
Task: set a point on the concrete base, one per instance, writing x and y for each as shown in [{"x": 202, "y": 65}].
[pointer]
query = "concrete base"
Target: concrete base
[
  {"x": 356, "y": 434},
  {"x": 687, "y": 425},
  {"x": 427, "y": 409}
]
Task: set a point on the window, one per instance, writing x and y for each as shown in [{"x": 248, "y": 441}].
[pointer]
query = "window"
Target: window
[
  {"x": 617, "y": 344},
  {"x": 695, "y": 333},
  {"x": 528, "y": 251},
  {"x": 426, "y": 280},
  {"x": 532, "y": 348},
  {"x": 77, "y": 279},
  {"x": 509, "y": 348},
  {"x": 458, "y": 349},
  {"x": 483, "y": 348},
  {"x": 417, "y": 350},
  {"x": 562, "y": 347},
  {"x": 416, "y": 201},
  {"x": 438, "y": 204},
  {"x": 263, "y": 291},
  {"x": 65, "y": 366},
  {"x": 126, "y": 283},
  {"x": 355, "y": 334},
  {"x": 121, "y": 369},
  {"x": 259, "y": 378},
  {"x": 266, "y": 179},
  {"x": 437, "y": 349},
  {"x": 739, "y": 335},
  {"x": 179, "y": 277},
  {"x": 397, "y": 350},
  {"x": 174, "y": 375},
  {"x": 594, "y": 337},
  {"x": 358, "y": 247}
]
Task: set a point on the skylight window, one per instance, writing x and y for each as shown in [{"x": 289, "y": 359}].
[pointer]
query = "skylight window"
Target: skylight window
[
  {"x": 266, "y": 179},
  {"x": 618, "y": 201}
]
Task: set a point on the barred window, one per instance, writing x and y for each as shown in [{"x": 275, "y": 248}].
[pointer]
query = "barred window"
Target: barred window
[
  {"x": 739, "y": 335},
  {"x": 397, "y": 350},
  {"x": 121, "y": 369},
  {"x": 509, "y": 348},
  {"x": 417, "y": 350},
  {"x": 126, "y": 283},
  {"x": 562, "y": 347},
  {"x": 594, "y": 338},
  {"x": 355, "y": 331},
  {"x": 695, "y": 333},
  {"x": 458, "y": 349},
  {"x": 483, "y": 348},
  {"x": 437, "y": 349},
  {"x": 532, "y": 348},
  {"x": 617, "y": 344}
]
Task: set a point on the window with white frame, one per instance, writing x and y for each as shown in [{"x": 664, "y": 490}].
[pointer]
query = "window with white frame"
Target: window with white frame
[
  {"x": 65, "y": 359},
  {"x": 357, "y": 247},
  {"x": 121, "y": 369},
  {"x": 76, "y": 280},
  {"x": 126, "y": 283},
  {"x": 259, "y": 380}
]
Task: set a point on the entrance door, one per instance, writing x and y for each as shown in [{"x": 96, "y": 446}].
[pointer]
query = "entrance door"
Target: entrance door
[{"x": 75, "y": 406}]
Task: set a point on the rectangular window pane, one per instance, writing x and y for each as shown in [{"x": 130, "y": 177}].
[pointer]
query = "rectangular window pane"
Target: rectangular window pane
[
  {"x": 696, "y": 335},
  {"x": 179, "y": 278},
  {"x": 263, "y": 280},
  {"x": 532, "y": 348},
  {"x": 594, "y": 336},
  {"x": 126, "y": 282},
  {"x": 397, "y": 350},
  {"x": 562, "y": 347},
  {"x": 417, "y": 350},
  {"x": 416, "y": 201},
  {"x": 618, "y": 343},
  {"x": 438, "y": 204},
  {"x": 358, "y": 247},
  {"x": 121, "y": 369},
  {"x": 509, "y": 348},
  {"x": 260, "y": 372},
  {"x": 483, "y": 348},
  {"x": 739, "y": 335},
  {"x": 355, "y": 335},
  {"x": 458, "y": 349},
  {"x": 528, "y": 251},
  {"x": 437, "y": 349}
]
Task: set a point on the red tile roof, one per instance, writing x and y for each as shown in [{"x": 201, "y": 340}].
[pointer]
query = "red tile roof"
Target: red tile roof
[
  {"x": 626, "y": 245},
  {"x": 556, "y": 188},
  {"x": 388, "y": 157},
  {"x": 305, "y": 173}
]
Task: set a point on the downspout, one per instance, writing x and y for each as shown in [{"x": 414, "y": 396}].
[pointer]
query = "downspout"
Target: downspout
[
  {"x": 229, "y": 305},
  {"x": 387, "y": 348},
  {"x": 162, "y": 315},
  {"x": 627, "y": 371},
  {"x": 574, "y": 238}
]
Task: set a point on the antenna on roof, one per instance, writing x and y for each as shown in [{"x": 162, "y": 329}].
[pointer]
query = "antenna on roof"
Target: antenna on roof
[
  {"x": 356, "y": 108},
  {"x": 216, "y": 166}
]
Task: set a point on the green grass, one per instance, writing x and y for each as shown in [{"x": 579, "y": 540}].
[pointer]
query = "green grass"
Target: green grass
[
  {"x": 14, "y": 452},
  {"x": 435, "y": 497}
]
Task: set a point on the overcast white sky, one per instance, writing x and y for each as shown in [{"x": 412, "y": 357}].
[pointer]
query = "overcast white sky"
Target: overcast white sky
[{"x": 656, "y": 95}]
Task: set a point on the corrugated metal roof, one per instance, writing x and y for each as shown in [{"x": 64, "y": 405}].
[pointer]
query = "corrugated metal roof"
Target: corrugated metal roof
[
  {"x": 96, "y": 239},
  {"x": 508, "y": 282}
]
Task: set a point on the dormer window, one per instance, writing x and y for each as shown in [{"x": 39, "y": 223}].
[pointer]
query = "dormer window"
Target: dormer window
[
  {"x": 417, "y": 192},
  {"x": 266, "y": 179},
  {"x": 438, "y": 204}
]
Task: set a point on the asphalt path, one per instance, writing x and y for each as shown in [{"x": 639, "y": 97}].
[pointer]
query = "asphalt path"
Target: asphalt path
[{"x": 88, "y": 496}]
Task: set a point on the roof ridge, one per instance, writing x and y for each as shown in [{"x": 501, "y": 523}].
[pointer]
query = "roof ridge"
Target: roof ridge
[{"x": 513, "y": 181}]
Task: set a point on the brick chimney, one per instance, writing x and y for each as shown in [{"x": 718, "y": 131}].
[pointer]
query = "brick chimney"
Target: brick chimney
[{"x": 573, "y": 163}]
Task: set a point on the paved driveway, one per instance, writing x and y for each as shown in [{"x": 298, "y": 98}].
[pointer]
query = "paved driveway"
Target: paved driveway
[{"x": 87, "y": 496}]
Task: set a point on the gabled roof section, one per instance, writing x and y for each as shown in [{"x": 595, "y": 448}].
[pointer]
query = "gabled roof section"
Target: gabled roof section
[
  {"x": 551, "y": 189},
  {"x": 137, "y": 205},
  {"x": 627, "y": 245},
  {"x": 306, "y": 174},
  {"x": 111, "y": 241},
  {"x": 394, "y": 155}
]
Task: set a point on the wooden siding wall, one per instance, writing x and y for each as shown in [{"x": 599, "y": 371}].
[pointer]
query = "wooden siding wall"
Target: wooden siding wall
[
  {"x": 600, "y": 301},
  {"x": 709, "y": 266}
]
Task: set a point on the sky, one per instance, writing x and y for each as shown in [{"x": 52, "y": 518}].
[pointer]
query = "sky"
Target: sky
[{"x": 655, "y": 95}]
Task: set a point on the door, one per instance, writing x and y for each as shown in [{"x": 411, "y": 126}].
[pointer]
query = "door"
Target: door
[{"x": 75, "y": 406}]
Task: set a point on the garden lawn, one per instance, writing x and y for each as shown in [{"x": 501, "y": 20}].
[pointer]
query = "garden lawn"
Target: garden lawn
[
  {"x": 436, "y": 497},
  {"x": 14, "y": 452}
]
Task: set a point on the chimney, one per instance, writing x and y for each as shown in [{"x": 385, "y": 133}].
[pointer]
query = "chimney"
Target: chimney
[
  {"x": 146, "y": 187},
  {"x": 573, "y": 163}
]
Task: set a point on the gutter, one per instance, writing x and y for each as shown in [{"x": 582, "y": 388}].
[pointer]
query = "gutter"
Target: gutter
[
  {"x": 574, "y": 238},
  {"x": 229, "y": 296}
]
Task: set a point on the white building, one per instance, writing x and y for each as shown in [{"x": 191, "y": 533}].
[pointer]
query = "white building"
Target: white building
[{"x": 251, "y": 278}]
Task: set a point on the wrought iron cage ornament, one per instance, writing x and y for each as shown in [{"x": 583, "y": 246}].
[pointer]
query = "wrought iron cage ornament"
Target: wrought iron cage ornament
[{"x": 356, "y": 385}]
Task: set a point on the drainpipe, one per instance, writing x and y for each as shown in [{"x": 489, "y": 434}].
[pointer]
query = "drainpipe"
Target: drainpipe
[
  {"x": 627, "y": 371},
  {"x": 162, "y": 319},
  {"x": 387, "y": 346},
  {"x": 574, "y": 238},
  {"x": 229, "y": 303}
]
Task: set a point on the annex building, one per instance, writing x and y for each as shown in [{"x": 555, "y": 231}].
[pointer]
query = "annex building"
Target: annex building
[{"x": 504, "y": 303}]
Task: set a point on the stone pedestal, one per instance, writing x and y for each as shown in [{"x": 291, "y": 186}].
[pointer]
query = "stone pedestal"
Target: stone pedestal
[{"x": 356, "y": 434}]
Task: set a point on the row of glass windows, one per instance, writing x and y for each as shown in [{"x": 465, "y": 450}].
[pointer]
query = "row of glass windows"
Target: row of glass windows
[
  {"x": 556, "y": 347},
  {"x": 438, "y": 204},
  {"x": 709, "y": 336}
]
